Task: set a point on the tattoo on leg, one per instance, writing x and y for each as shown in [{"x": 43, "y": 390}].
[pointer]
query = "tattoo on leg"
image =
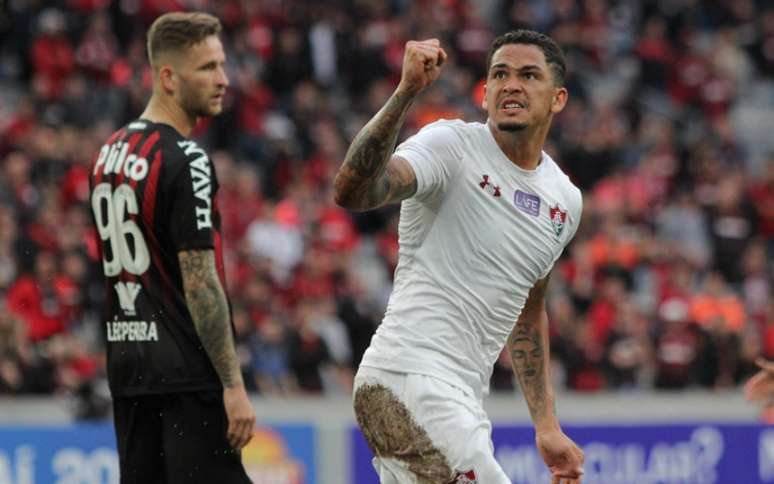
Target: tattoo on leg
[{"x": 391, "y": 432}]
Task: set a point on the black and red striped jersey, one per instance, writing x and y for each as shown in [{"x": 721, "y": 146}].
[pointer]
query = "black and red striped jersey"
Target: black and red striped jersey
[{"x": 153, "y": 195}]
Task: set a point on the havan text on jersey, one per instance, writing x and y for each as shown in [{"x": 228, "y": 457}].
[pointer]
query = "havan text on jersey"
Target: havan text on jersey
[{"x": 201, "y": 180}]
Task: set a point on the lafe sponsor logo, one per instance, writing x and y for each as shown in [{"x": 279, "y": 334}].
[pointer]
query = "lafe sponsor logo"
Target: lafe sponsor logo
[
  {"x": 692, "y": 461},
  {"x": 200, "y": 178},
  {"x": 527, "y": 202},
  {"x": 118, "y": 331}
]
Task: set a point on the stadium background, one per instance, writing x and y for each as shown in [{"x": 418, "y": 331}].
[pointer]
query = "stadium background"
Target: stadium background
[{"x": 658, "y": 308}]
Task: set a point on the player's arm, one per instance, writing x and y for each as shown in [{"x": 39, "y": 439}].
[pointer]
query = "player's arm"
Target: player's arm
[
  {"x": 528, "y": 347},
  {"x": 208, "y": 306},
  {"x": 760, "y": 388},
  {"x": 370, "y": 176}
]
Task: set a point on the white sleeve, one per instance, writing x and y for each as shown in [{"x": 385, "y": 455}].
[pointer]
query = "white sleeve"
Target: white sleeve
[{"x": 434, "y": 155}]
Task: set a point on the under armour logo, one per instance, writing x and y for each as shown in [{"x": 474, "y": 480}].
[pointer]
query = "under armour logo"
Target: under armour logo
[{"x": 487, "y": 185}]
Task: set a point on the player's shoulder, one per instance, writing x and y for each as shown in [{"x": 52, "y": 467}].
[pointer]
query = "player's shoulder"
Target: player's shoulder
[
  {"x": 456, "y": 126},
  {"x": 451, "y": 134},
  {"x": 570, "y": 192}
]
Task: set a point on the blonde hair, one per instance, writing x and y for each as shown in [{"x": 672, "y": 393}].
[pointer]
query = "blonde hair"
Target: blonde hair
[{"x": 176, "y": 31}]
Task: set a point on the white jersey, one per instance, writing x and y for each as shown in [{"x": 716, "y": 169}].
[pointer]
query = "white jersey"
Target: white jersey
[{"x": 474, "y": 239}]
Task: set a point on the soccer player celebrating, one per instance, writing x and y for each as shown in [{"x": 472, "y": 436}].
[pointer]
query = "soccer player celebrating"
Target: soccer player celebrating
[
  {"x": 485, "y": 214},
  {"x": 180, "y": 406}
]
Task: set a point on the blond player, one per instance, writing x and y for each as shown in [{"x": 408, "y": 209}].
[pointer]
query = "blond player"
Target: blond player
[{"x": 485, "y": 214}]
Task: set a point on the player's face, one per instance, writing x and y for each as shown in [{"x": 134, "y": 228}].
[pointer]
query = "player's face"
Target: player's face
[
  {"x": 203, "y": 79},
  {"x": 520, "y": 90}
]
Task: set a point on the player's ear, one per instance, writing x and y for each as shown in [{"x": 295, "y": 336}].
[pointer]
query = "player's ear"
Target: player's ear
[
  {"x": 559, "y": 101},
  {"x": 168, "y": 78},
  {"x": 483, "y": 98}
]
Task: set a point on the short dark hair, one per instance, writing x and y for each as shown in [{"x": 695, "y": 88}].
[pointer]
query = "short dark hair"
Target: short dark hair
[
  {"x": 177, "y": 31},
  {"x": 551, "y": 50}
]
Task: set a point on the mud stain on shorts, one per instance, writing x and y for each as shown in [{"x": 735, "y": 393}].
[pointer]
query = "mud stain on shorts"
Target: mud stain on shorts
[{"x": 391, "y": 432}]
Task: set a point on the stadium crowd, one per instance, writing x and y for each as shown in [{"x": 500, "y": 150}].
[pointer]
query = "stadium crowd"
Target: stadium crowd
[{"x": 668, "y": 283}]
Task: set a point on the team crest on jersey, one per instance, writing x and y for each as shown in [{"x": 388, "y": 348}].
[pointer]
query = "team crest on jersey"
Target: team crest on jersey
[
  {"x": 558, "y": 218},
  {"x": 468, "y": 477},
  {"x": 487, "y": 184}
]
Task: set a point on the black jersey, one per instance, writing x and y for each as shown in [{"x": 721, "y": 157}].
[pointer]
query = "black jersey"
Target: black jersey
[{"x": 152, "y": 195}]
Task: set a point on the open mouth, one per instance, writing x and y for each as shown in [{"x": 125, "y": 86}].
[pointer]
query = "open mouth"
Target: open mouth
[{"x": 513, "y": 106}]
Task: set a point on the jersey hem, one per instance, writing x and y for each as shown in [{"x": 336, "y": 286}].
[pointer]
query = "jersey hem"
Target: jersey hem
[{"x": 426, "y": 370}]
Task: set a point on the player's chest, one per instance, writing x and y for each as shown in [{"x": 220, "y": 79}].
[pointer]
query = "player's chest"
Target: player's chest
[{"x": 509, "y": 214}]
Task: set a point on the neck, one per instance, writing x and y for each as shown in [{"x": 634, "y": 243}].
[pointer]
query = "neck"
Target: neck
[
  {"x": 524, "y": 148},
  {"x": 165, "y": 110}
]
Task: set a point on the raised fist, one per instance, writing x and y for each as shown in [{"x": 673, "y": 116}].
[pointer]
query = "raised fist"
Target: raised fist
[{"x": 422, "y": 63}]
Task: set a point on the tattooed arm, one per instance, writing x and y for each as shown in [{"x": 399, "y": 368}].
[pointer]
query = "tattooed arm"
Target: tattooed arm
[
  {"x": 209, "y": 310},
  {"x": 529, "y": 350},
  {"x": 370, "y": 176}
]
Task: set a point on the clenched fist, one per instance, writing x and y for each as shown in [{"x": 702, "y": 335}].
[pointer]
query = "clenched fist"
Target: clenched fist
[{"x": 422, "y": 63}]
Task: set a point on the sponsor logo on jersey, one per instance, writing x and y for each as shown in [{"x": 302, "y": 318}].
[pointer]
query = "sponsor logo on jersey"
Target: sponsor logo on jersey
[
  {"x": 468, "y": 477},
  {"x": 527, "y": 202},
  {"x": 127, "y": 295},
  {"x": 488, "y": 185},
  {"x": 558, "y": 219},
  {"x": 118, "y": 331},
  {"x": 201, "y": 180},
  {"x": 115, "y": 159}
]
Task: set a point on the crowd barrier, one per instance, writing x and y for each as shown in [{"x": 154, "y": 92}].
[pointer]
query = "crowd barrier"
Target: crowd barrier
[{"x": 316, "y": 442}]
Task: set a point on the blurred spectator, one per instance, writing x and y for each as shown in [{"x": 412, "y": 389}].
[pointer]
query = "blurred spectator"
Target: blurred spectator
[
  {"x": 42, "y": 299},
  {"x": 271, "y": 358},
  {"x": 52, "y": 55},
  {"x": 676, "y": 347},
  {"x": 731, "y": 222},
  {"x": 628, "y": 349}
]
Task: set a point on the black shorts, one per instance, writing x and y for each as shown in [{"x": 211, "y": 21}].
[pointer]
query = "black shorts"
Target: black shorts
[{"x": 175, "y": 438}]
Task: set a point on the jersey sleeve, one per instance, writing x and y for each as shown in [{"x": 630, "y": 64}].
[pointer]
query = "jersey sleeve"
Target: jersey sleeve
[
  {"x": 434, "y": 155},
  {"x": 192, "y": 194}
]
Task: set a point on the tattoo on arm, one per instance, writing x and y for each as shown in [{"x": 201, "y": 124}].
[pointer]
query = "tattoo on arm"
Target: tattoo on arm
[
  {"x": 525, "y": 346},
  {"x": 369, "y": 177},
  {"x": 529, "y": 351},
  {"x": 209, "y": 309}
]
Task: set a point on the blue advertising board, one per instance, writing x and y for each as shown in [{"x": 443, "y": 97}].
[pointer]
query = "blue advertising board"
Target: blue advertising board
[
  {"x": 86, "y": 454},
  {"x": 700, "y": 453}
]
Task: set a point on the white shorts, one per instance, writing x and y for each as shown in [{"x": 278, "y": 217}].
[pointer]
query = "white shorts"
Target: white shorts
[{"x": 453, "y": 420}]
